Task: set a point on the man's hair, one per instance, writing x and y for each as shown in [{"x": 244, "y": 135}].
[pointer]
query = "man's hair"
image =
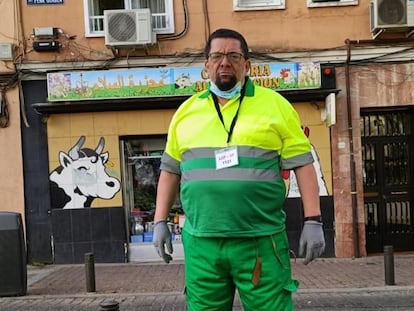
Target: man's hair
[{"x": 227, "y": 33}]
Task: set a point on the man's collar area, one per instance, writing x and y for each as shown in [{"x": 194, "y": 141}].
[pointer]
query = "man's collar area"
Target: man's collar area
[{"x": 249, "y": 90}]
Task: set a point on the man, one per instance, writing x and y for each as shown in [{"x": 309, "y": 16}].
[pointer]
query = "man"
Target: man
[{"x": 225, "y": 151}]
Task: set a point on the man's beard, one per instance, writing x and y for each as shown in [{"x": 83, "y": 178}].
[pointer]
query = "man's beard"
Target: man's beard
[{"x": 226, "y": 85}]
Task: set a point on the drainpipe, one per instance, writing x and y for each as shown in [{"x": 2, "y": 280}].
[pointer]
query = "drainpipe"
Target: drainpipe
[{"x": 355, "y": 229}]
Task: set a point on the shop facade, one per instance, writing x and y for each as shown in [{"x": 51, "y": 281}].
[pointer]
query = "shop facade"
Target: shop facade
[
  {"x": 376, "y": 209},
  {"x": 101, "y": 160}
]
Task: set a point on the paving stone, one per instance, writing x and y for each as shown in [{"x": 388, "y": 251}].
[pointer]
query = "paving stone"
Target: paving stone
[{"x": 326, "y": 284}]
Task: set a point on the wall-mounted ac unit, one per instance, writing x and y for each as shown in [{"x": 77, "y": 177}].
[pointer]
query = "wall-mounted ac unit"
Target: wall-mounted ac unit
[
  {"x": 391, "y": 14},
  {"x": 125, "y": 28}
]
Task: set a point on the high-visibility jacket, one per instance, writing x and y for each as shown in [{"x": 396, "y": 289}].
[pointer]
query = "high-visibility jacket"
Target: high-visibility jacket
[{"x": 244, "y": 200}]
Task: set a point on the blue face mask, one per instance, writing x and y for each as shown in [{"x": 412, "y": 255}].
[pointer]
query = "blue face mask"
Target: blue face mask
[{"x": 233, "y": 92}]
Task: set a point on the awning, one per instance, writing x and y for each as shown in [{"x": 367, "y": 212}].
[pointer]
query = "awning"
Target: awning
[{"x": 151, "y": 103}]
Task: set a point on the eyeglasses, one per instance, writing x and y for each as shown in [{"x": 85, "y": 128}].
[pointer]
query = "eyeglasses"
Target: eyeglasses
[{"x": 233, "y": 57}]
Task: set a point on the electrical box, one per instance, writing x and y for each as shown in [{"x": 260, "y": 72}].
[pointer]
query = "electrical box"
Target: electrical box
[
  {"x": 46, "y": 46},
  {"x": 46, "y": 32},
  {"x": 6, "y": 51},
  {"x": 13, "y": 270}
]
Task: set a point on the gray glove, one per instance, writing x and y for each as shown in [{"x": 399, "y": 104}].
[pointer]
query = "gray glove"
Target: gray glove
[
  {"x": 161, "y": 238},
  {"x": 312, "y": 241}
]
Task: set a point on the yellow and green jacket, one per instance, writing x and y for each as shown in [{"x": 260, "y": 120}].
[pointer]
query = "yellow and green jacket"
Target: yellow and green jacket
[{"x": 244, "y": 200}]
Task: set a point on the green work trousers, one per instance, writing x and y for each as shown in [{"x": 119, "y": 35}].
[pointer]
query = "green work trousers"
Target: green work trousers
[{"x": 259, "y": 268}]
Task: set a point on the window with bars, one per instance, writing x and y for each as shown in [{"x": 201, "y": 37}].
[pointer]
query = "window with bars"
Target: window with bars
[
  {"x": 385, "y": 139},
  {"x": 161, "y": 12},
  {"x": 386, "y": 124}
]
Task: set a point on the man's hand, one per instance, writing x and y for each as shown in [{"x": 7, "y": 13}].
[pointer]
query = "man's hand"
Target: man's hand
[
  {"x": 312, "y": 241},
  {"x": 162, "y": 238}
]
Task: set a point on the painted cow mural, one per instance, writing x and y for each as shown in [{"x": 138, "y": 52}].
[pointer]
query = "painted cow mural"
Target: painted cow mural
[{"x": 82, "y": 177}]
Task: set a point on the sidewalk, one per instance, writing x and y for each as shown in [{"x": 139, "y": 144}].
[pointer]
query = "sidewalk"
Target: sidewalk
[
  {"x": 321, "y": 274},
  {"x": 158, "y": 286}
]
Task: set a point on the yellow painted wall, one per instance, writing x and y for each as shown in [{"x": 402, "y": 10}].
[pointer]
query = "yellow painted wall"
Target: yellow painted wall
[
  {"x": 11, "y": 160},
  {"x": 295, "y": 28},
  {"x": 64, "y": 131},
  {"x": 310, "y": 115}
]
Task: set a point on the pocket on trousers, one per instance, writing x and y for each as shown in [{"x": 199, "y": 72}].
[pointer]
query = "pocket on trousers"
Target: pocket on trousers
[
  {"x": 292, "y": 286},
  {"x": 281, "y": 250}
]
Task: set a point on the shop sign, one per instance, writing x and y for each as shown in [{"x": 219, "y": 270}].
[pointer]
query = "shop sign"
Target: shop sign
[
  {"x": 30, "y": 2},
  {"x": 179, "y": 81}
]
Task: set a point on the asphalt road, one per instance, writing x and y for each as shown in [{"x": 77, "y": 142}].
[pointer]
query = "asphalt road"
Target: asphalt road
[{"x": 347, "y": 300}]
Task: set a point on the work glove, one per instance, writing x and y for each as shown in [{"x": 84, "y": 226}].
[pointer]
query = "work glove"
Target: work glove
[
  {"x": 161, "y": 238},
  {"x": 312, "y": 241}
]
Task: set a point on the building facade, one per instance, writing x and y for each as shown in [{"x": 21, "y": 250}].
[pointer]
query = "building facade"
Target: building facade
[{"x": 93, "y": 85}]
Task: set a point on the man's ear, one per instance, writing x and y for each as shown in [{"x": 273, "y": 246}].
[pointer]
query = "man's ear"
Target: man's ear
[
  {"x": 206, "y": 68},
  {"x": 247, "y": 65}
]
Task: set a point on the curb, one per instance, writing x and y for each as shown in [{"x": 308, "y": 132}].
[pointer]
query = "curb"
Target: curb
[
  {"x": 389, "y": 288},
  {"x": 94, "y": 295}
]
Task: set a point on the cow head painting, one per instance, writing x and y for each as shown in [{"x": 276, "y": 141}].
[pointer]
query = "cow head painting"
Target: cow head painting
[{"x": 82, "y": 177}]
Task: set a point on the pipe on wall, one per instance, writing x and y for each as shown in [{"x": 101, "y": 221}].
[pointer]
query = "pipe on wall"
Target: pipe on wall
[{"x": 355, "y": 224}]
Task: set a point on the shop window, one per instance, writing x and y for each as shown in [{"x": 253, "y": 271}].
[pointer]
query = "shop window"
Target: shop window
[
  {"x": 325, "y": 3},
  {"x": 161, "y": 11},
  {"x": 142, "y": 158},
  {"x": 242, "y": 5}
]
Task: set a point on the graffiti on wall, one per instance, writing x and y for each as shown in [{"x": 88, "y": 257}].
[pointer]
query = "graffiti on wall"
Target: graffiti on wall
[
  {"x": 82, "y": 177},
  {"x": 293, "y": 189}
]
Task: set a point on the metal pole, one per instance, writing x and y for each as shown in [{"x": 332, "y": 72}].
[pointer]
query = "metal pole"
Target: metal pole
[
  {"x": 389, "y": 265},
  {"x": 90, "y": 272},
  {"x": 110, "y": 305}
]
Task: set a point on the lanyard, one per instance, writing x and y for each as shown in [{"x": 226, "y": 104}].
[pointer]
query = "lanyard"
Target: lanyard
[{"x": 233, "y": 122}]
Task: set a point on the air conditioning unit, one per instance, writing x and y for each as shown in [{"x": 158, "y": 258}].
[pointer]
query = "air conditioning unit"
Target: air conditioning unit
[
  {"x": 394, "y": 15},
  {"x": 126, "y": 28}
]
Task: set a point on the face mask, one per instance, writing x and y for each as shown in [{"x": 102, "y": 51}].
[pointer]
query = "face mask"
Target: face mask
[{"x": 233, "y": 92}]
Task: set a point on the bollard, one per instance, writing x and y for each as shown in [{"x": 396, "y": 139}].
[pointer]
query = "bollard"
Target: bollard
[
  {"x": 90, "y": 272},
  {"x": 110, "y": 305},
  {"x": 389, "y": 265}
]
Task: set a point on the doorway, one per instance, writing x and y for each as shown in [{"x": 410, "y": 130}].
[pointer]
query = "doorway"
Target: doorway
[
  {"x": 141, "y": 159},
  {"x": 387, "y": 164}
]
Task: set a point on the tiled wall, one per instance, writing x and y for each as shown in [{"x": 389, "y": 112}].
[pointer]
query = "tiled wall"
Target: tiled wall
[
  {"x": 100, "y": 231},
  {"x": 294, "y": 222}
]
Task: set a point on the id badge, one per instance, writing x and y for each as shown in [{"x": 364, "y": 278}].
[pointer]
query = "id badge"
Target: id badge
[{"x": 226, "y": 157}]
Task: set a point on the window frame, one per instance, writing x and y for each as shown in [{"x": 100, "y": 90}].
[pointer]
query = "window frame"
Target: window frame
[
  {"x": 312, "y": 4},
  {"x": 90, "y": 33},
  {"x": 263, "y": 5}
]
